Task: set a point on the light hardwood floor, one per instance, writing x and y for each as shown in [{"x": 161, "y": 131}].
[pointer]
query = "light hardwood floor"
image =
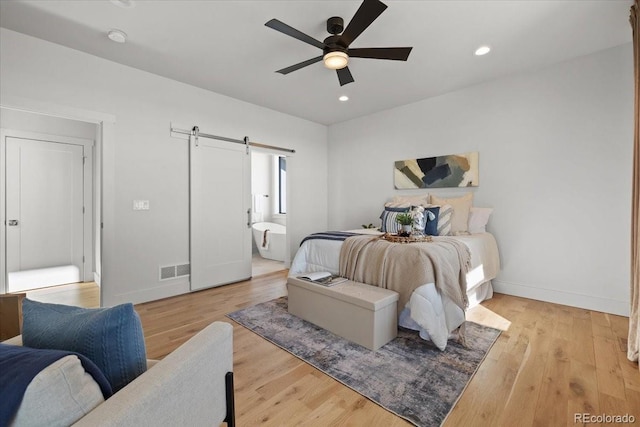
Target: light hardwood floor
[
  {"x": 549, "y": 363},
  {"x": 85, "y": 294}
]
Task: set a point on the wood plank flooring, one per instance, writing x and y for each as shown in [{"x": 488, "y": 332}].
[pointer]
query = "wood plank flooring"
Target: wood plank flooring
[
  {"x": 550, "y": 362},
  {"x": 85, "y": 294}
]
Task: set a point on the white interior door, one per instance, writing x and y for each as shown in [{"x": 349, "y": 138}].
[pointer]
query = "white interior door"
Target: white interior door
[
  {"x": 220, "y": 186},
  {"x": 44, "y": 212}
]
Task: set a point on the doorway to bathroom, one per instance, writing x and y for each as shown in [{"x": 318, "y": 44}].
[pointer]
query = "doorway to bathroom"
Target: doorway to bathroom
[{"x": 268, "y": 212}]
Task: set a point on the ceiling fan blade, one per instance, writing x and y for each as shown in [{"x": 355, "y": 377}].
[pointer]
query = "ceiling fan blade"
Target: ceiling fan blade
[
  {"x": 344, "y": 75},
  {"x": 296, "y": 34},
  {"x": 300, "y": 65},
  {"x": 393, "y": 53},
  {"x": 368, "y": 11}
]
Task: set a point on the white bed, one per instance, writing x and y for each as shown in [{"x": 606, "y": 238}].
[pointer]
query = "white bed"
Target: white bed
[{"x": 434, "y": 316}]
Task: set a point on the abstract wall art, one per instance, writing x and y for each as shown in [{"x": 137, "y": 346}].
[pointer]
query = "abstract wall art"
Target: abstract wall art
[{"x": 454, "y": 170}]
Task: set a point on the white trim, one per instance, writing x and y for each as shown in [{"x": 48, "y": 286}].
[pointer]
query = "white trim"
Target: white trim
[
  {"x": 107, "y": 205},
  {"x": 3, "y": 239},
  {"x": 48, "y": 137},
  {"x": 159, "y": 291},
  {"x": 573, "y": 299},
  {"x": 56, "y": 110}
]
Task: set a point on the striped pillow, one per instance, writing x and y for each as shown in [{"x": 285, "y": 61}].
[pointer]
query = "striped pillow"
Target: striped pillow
[
  {"x": 444, "y": 219},
  {"x": 388, "y": 217}
]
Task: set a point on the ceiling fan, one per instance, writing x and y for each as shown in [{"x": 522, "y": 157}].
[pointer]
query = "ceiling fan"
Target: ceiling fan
[{"x": 336, "y": 51}]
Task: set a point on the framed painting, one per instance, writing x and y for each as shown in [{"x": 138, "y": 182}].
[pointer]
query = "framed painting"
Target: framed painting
[{"x": 453, "y": 170}]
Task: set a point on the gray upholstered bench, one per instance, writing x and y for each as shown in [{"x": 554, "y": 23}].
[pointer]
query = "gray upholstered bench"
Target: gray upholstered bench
[{"x": 364, "y": 314}]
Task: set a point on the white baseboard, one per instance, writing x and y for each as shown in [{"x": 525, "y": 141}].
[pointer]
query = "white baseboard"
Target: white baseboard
[
  {"x": 589, "y": 302},
  {"x": 96, "y": 278},
  {"x": 151, "y": 294}
]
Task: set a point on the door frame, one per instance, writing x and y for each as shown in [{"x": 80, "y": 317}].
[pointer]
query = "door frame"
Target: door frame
[
  {"x": 290, "y": 159},
  {"x": 103, "y": 179},
  {"x": 87, "y": 196}
]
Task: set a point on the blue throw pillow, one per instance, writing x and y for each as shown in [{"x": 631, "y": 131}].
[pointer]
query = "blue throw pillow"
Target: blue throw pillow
[
  {"x": 431, "y": 226},
  {"x": 388, "y": 217},
  {"x": 111, "y": 338}
]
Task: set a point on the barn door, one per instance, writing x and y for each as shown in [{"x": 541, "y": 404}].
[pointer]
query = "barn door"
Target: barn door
[{"x": 220, "y": 232}]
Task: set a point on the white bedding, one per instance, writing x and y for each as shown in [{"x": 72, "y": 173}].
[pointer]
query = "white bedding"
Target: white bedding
[{"x": 435, "y": 317}]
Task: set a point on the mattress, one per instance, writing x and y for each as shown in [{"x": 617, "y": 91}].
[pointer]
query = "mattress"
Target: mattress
[{"x": 434, "y": 316}]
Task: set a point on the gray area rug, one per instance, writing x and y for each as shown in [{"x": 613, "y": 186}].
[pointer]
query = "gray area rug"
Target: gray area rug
[{"x": 408, "y": 376}]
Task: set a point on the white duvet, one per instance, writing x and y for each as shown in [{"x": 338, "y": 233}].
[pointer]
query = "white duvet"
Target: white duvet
[{"x": 435, "y": 317}]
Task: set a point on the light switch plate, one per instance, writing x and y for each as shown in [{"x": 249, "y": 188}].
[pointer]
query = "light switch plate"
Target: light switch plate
[{"x": 140, "y": 205}]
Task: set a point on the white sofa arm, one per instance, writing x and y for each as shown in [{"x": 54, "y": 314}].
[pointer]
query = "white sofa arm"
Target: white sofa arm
[{"x": 188, "y": 387}]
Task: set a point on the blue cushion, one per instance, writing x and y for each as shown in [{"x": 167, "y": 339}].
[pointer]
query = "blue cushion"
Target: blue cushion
[
  {"x": 431, "y": 227},
  {"x": 111, "y": 338},
  {"x": 388, "y": 217}
]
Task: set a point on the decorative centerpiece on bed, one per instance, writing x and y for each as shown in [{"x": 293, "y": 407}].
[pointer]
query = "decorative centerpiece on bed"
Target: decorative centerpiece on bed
[
  {"x": 412, "y": 222},
  {"x": 406, "y": 223},
  {"x": 409, "y": 238}
]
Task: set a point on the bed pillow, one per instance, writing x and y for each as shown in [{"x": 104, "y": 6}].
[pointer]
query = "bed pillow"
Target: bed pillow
[
  {"x": 388, "y": 217},
  {"x": 111, "y": 338},
  {"x": 478, "y": 219},
  {"x": 408, "y": 201},
  {"x": 444, "y": 219},
  {"x": 431, "y": 226},
  {"x": 461, "y": 207}
]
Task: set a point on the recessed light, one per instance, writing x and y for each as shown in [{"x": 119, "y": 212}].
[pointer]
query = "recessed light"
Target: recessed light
[
  {"x": 117, "y": 36},
  {"x": 343, "y": 98},
  {"x": 482, "y": 50},
  {"x": 126, "y": 4}
]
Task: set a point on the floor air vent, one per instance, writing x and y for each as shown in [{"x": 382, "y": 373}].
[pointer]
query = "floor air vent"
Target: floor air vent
[{"x": 173, "y": 271}]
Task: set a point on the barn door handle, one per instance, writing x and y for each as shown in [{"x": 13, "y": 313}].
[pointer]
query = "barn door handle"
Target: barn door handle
[
  {"x": 248, "y": 218},
  {"x": 12, "y": 222}
]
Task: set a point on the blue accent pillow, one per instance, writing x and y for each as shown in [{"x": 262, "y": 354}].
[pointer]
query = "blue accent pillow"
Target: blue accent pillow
[
  {"x": 388, "y": 217},
  {"x": 431, "y": 226},
  {"x": 111, "y": 338}
]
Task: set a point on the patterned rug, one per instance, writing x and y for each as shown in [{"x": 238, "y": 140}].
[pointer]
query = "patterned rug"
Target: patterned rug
[{"x": 408, "y": 376}]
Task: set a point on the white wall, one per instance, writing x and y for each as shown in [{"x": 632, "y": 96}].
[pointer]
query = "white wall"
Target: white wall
[
  {"x": 142, "y": 161},
  {"x": 555, "y": 162}
]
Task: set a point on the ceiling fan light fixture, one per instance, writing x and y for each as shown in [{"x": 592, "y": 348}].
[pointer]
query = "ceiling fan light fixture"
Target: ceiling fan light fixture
[
  {"x": 482, "y": 50},
  {"x": 335, "y": 60}
]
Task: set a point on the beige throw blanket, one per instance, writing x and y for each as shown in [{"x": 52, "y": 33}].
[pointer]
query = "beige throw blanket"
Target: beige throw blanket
[{"x": 403, "y": 267}]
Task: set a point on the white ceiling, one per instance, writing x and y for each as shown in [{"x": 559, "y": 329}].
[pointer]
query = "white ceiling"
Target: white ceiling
[{"x": 224, "y": 46}]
